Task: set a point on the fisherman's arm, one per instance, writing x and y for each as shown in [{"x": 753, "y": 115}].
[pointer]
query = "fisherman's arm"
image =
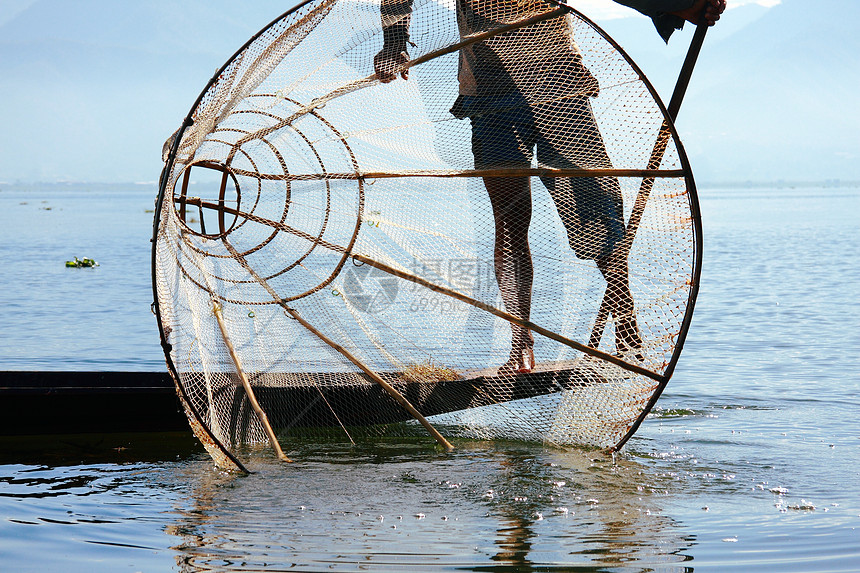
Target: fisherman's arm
[
  {"x": 396, "y": 15},
  {"x": 669, "y": 15},
  {"x": 709, "y": 10}
]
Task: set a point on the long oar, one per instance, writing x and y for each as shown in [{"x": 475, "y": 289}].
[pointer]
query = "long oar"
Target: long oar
[
  {"x": 654, "y": 161},
  {"x": 687, "y": 70}
]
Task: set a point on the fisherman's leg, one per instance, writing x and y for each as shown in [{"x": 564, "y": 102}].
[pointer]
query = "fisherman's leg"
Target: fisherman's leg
[
  {"x": 591, "y": 208},
  {"x": 510, "y": 198},
  {"x": 615, "y": 270},
  {"x": 589, "y": 211},
  {"x": 600, "y": 236},
  {"x": 498, "y": 141}
]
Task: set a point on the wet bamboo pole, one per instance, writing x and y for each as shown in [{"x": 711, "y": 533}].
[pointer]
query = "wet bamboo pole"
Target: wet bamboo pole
[
  {"x": 340, "y": 349},
  {"x": 246, "y": 384}
]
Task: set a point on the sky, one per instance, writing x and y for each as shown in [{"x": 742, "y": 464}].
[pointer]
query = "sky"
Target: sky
[
  {"x": 606, "y": 9},
  {"x": 11, "y": 8},
  {"x": 90, "y": 90},
  {"x": 600, "y": 9}
]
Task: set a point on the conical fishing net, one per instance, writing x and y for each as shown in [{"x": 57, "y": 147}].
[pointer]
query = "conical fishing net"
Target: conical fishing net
[{"x": 502, "y": 245}]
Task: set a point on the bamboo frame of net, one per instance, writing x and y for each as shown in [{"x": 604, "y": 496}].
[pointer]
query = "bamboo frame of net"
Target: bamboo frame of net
[{"x": 648, "y": 176}]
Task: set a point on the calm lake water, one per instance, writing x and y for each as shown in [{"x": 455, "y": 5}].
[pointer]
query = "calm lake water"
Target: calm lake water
[{"x": 750, "y": 462}]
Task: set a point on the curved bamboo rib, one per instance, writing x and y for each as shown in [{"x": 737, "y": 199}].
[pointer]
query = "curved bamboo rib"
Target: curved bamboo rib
[
  {"x": 657, "y": 152},
  {"x": 449, "y": 173},
  {"x": 268, "y": 222},
  {"x": 673, "y": 109}
]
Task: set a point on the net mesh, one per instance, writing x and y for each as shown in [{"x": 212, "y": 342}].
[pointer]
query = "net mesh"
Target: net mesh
[{"x": 520, "y": 193}]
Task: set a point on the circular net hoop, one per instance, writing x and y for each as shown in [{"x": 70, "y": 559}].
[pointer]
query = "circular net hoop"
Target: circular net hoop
[{"x": 323, "y": 234}]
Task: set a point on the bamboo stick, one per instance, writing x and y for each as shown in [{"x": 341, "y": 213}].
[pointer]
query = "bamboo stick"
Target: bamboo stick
[
  {"x": 375, "y": 377},
  {"x": 587, "y": 349},
  {"x": 510, "y": 318},
  {"x": 653, "y": 164},
  {"x": 372, "y": 80},
  {"x": 246, "y": 384},
  {"x": 450, "y": 173}
]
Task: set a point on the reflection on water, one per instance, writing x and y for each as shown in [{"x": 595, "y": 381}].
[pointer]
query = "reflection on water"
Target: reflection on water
[
  {"x": 502, "y": 507},
  {"x": 491, "y": 507},
  {"x": 691, "y": 493}
]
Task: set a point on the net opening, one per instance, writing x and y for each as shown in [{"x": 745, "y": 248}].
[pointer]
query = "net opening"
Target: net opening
[{"x": 220, "y": 213}]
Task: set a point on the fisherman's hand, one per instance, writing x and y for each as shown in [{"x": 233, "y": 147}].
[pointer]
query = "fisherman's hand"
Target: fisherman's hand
[
  {"x": 707, "y": 10},
  {"x": 387, "y": 63}
]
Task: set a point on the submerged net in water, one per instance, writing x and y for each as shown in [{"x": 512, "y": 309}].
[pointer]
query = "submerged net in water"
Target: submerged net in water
[{"x": 503, "y": 245}]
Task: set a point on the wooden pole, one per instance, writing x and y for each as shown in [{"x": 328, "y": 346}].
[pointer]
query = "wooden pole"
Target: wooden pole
[
  {"x": 653, "y": 164},
  {"x": 372, "y": 80},
  {"x": 246, "y": 384},
  {"x": 452, "y": 173},
  {"x": 687, "y": 70},
  {"x": 587, "y": 349},
  {"x": 375, "y": 377},
  {"x": 510, "y": 318}
]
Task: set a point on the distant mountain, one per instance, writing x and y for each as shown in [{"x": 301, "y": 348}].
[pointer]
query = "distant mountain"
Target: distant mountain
[
  {"x": 660, "y": 61},
  {"x": 774, "y": 98},
  {"x": 90, "y": 89}
]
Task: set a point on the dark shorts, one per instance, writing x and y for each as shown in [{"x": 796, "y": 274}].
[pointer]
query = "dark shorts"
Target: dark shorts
[
  {"x": 505, "y": 134},
  {"x": 503, "y": 129}
]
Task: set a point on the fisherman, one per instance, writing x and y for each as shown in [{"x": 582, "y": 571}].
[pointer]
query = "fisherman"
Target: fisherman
[{"x": 558, "y": 125}]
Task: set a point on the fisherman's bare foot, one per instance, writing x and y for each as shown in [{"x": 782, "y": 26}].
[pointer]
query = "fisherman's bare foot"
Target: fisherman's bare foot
[
  {"x": 522, "y": 358},
  {"x": 521, "y": 362}
]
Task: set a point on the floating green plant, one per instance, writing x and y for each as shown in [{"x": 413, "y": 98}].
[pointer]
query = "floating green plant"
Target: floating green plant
[{"x": 81, "y": 263}]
